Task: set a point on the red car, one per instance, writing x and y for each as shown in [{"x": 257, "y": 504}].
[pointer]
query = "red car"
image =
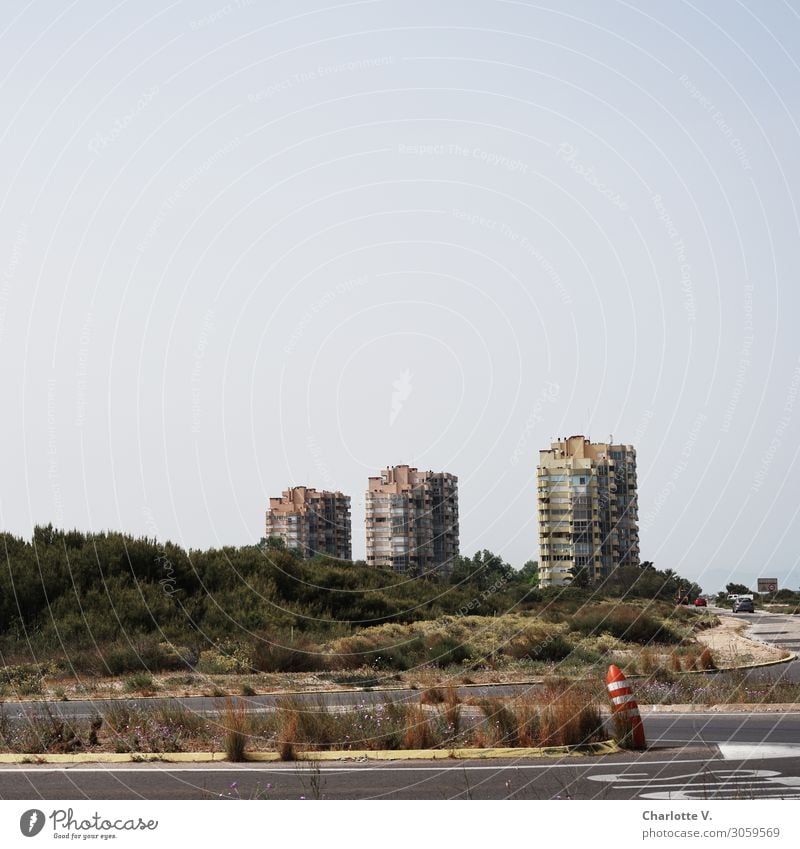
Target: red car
[{"x": 700, "y": 602}]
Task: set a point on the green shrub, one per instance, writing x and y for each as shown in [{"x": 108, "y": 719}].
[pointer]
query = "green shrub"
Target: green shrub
[
  {"x": 632, "y": 624},
  {"x": 213, "y": 662},
  {"x": 145, "y": 653},
  {"x": 24, "y": 679},
  {"x": 140, "y": 682},
  {"x": 446, "y": 651},
  {"x": 284, "y": 654},
  {"x": 534, "y": 644},
  {"x": 402, "y": 656}
]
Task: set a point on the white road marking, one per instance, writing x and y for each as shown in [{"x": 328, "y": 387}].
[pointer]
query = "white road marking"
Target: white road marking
[
  {"x": 704, "y": 784},
  {"x": 758, "y": 751}
]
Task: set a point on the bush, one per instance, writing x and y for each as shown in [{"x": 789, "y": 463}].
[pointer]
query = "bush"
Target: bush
[
  {"x": 145, "y": 653},
  {"x": 626, "y": 622},
  {"x": 140, "y": 682},
  {"x": 401, "y": 656},
  {"x": 534, "y": 644},
  {"x": 284, "y": 654},
  {"x": 445, "y": 651},
  {"x": 24, "y": 679}
]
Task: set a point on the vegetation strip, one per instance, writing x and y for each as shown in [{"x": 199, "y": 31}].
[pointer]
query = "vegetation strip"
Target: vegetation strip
[{"x": 343, "y": 622}]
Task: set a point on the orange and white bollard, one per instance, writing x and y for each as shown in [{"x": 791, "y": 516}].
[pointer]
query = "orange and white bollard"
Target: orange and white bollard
[{"x": 624, "y": 707}]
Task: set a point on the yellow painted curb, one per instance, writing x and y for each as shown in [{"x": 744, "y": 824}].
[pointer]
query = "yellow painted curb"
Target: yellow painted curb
[
  {"x": 114, "y": 758},
  {"x": 607, "y": 747}
]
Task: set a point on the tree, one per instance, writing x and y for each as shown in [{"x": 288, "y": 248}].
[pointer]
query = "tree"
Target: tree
[
  {"x": 529, "y": 573},
  {"x": 738, "y": 589},
  {"x": 581, "y": 577},
  {"x": 484, "y": 570},
  {"x": 632, "y": 581}
]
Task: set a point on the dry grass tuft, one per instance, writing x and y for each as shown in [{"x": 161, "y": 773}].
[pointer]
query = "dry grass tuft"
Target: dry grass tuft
[
  {"x": 234, "y": 720},
  {"x": 647, "y": 662},
  {"x": 432, "y": 696},
  {"x": 452, "y": 710},
  {"x": 418, "y": 732},
  {"x": 706, "y": 660},
  {"x": 288, "y": 718}
]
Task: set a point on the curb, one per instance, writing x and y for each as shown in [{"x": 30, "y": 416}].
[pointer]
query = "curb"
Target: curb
[
  {"x": 718, "y": 670},
  {"x": 606, "y": 747},
  {"x": 792, "y": 656},
  {"x": 722, "y": 707}
]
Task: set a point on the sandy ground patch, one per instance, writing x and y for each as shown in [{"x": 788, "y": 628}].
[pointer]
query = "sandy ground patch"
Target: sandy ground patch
[{"x": 731, "y": 647}]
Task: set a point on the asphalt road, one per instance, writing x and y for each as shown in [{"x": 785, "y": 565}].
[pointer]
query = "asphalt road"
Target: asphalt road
[
  {"x": 776, "y": 629},
  {"x": 84, "y": 709},
  {"x": 697, "y": 772}
]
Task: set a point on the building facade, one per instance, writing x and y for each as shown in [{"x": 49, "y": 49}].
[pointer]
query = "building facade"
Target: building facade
[
  {"x": 312, "y": 522},
  {"x": 588, "y": 510},
  {"x": 412, "y": 520}
]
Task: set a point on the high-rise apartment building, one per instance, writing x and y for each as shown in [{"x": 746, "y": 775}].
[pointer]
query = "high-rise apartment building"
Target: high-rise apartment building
[
  {"x": 588, "y": 510},
  {"x": 312, "y": 522},
  {"x": 412, "y": 520}
]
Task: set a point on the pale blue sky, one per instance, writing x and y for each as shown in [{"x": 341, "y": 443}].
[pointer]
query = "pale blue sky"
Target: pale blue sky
[{"x": 229, "y": 229}]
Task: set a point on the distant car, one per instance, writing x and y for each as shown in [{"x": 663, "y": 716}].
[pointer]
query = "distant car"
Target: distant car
[
  {"x": 700, "y": 602},
  {"x": 744, "y": 605}
]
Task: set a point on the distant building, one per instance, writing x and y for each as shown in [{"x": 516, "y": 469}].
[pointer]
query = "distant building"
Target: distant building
[
  {"x": 312, "y": 522},
  {"x": 412, "y": 520},
  {"x": 588, "y": 510}
]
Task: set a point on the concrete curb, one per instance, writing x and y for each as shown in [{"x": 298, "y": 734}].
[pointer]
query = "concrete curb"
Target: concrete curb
[
  {"x": 718, "y": 670},
  {"x": 738, "y": 708},
  {"x": 607, "y": 747},
  {"x": 113, "y": 758}
]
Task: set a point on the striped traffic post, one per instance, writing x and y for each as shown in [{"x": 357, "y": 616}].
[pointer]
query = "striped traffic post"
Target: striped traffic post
[{"x": 625, "y": 711}]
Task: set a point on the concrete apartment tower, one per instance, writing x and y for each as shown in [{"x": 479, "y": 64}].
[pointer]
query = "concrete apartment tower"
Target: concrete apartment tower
[
  {"x": 312, "y": 522},
  {"x": 412, "y": 520},
  {"x": 588, "y": 509}
]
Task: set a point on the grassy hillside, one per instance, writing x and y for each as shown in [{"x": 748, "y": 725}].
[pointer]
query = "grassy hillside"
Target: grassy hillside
[{"x": 113, "y": 604}]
